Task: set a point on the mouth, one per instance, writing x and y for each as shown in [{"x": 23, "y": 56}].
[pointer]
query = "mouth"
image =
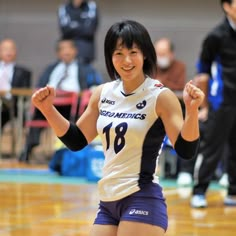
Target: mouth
[{"x": 127, "y": 69}]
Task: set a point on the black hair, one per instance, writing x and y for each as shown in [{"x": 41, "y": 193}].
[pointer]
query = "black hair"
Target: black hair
[
  {"x": 130, "y": 32},
  {"x": 223, "y": 1}
]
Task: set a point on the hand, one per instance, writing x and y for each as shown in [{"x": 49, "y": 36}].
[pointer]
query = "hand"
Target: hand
[
  {"x": 43, "y": 98},
  {"x": 192, "y": 96}
]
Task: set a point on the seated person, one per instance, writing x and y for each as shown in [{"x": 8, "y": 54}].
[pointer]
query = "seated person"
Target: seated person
[
  {"x": 67, "y": 74},
  {"x": 170, "y": 71},
  {"x": 12, "y": 75}
]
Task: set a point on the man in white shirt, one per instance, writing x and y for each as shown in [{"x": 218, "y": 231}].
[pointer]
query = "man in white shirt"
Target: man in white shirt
[
  {"x": 67, "y": 74},
  {"x": 11, "y": 76}
]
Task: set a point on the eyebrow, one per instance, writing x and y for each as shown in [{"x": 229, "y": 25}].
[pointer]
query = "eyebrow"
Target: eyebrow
[{"x": 120, "y": 47}]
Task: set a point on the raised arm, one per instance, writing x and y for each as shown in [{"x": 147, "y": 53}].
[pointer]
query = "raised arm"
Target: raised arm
[
  {"x": 74, "y": 136},
  {"x": 183, "y": 133},
  {"x": 43, "y": 100}
]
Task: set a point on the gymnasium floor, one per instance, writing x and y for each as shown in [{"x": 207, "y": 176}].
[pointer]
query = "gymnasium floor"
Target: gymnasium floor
[{"x": 35, "y": 201}]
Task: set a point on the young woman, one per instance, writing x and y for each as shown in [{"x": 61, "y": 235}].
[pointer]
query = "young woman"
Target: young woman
[{"x": 132, "y": 114}]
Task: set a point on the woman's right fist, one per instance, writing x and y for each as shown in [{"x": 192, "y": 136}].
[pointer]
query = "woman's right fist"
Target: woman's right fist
[{"x": 43, "y": 98}]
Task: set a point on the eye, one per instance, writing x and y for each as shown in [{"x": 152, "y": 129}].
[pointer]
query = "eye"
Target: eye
[
  {"x": 134, "y": 52},
  {"x": 117, "y": 53}
]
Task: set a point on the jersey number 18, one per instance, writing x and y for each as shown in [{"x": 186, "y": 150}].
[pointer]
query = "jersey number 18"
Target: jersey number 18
[{"x": 119, "y": 141}]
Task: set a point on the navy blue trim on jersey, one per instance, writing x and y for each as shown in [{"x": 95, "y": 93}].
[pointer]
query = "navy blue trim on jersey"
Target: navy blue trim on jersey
[
  {"x": 127, "y": 95},
  {"x": 151, "y": 146}
]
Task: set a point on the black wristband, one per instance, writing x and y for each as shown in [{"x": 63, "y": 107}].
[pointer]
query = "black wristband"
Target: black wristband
[
  {"x": 74, "y": 139},
  {"x": 186, "y": 149}
]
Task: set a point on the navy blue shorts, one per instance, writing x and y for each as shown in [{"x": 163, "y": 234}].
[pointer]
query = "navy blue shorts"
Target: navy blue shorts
[{"x": 145, "y": 206}]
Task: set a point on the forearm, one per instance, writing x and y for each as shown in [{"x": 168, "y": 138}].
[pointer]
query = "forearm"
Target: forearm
[
  {"x": 187, "y": 142},
  {"x": 190, "y": 128},
  {"x": 59, "y": 124}
]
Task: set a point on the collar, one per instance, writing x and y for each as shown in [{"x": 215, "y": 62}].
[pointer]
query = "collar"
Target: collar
[
  {"x": 11, "y": 64},
  {"x": 74, "y": 62},
  {"x": 231, "y": 23}
]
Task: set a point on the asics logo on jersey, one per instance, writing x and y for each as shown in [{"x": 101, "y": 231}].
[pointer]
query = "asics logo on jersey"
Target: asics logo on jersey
[
  {"x": 105, "y": 100},
  {"x": 141, "y": 105},
  {"x": 138, "y": 212}
]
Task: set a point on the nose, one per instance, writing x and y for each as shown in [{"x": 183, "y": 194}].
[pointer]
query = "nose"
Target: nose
[{"x": 127, "y": 59}]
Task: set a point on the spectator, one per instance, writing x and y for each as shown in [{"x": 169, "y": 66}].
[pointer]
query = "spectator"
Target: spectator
[
  {"x": 219, "y": 130},
  {"x": 170, "y": 71},
  {"x": 12, "y": 75},
  {"x": 78, "y": 21},
  {"x": 65, "y": 74}
]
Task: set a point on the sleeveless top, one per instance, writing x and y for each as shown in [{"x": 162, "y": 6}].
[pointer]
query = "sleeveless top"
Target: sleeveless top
[{"x": 132, "y": 136}]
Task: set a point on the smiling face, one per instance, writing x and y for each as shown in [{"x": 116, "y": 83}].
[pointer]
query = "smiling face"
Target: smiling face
[
  {"x": 129, "y": 51},
  {"x": 128, "y": 62}
]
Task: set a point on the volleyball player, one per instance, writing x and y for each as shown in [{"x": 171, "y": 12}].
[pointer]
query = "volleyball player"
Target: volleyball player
[{"x": 132, "y": 114}]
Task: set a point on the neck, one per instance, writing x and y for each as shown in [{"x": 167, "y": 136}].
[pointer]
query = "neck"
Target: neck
[
  {"x": 129, "y": 85},
  {"x": 6, "y": 62},
  {"x": 232, "y": 22}
]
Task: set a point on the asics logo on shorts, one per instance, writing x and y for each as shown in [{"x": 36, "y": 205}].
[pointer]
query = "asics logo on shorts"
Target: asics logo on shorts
[{"x": 138, "y": 212}]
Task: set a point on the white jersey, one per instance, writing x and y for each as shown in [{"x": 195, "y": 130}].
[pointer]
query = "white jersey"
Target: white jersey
[{"x": 132, "y": 136}]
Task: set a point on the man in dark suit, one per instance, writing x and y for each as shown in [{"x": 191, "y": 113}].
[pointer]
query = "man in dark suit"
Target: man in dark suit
[
  {"x": 67, "y": 74},
  {"x": 11, "y": 76}
]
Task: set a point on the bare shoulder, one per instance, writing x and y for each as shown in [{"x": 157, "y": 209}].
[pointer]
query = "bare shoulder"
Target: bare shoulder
[
  {"x": 95, "y": 97},
  {"x": 166, "y": 101}
]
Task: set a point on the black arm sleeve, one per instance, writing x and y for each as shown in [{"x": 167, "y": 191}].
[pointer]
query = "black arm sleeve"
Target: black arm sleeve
[
  {"x": 74, "y": 139},
  {"x": 186, "y": 149}
]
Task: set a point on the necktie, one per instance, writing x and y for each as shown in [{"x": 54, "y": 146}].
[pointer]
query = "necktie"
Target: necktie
[{"x": 64, "y": 75}]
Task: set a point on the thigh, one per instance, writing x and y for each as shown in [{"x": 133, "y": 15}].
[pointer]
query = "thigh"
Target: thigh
[
  {"x": 103, "y": 230},
  {"x": 139, "y": 229}
]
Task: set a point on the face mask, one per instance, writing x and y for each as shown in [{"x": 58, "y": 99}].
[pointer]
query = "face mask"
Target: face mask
[{"x": 163, "y": 62}]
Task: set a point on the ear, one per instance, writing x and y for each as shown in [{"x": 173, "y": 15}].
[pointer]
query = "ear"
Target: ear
[{"x": 226, "y": 6}]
